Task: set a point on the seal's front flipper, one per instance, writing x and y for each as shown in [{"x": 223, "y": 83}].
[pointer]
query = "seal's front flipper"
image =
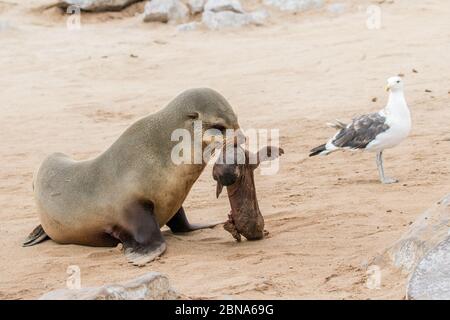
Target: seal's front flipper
[
  {"x": 36, "y": 236},
  {"x": 141, "y": 236},
  {"x": 141, "y": 255},
  {"x": 180, "y": 224}
]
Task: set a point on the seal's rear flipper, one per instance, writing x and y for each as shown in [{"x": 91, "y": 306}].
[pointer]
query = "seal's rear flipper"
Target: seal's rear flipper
[
  {"x": 36, "y": 236},
  {"x": 180, "y": 224}
]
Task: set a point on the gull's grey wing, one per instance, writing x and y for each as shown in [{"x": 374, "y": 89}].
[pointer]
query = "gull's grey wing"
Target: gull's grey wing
[{"x": 361, "y": 131}]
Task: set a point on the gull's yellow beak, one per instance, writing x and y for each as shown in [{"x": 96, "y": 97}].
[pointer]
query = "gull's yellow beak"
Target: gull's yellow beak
[{"x": 388, "y": 88}]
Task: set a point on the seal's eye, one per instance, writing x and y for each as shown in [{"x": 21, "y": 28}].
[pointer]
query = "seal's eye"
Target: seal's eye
[
  {"x": 219, "y": 127},
  {"x": 193, "y": 115}
]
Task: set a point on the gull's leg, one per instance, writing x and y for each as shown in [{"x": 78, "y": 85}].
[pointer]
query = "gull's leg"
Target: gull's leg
[{"x": 380, "y": 166}]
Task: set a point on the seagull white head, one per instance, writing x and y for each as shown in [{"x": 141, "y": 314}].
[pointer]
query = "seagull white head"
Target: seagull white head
[{"x": 394, "y": 84}]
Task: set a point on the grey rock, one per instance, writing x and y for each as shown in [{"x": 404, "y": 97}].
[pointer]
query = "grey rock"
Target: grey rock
[
  {"x": 430, "y": 229},
  {"x": 337, "y": 8},
  {"x": 5, "y": 25},
  {"x": 97, "y": 5},
  {"x": 150, "y": 286},
  {"x": 258, "y": 17},
  {"x": 224, "y": 19},
  {"x": 165, "y": 11},
  {"x": 431, "y": 278},
  {"x": 295, "y": 5},
  {"x": 230, "y": 19},
  {"x": 187, "y": 26},
  {"x": 196, "y": 6},
  {"x": 220, "y": 14},
  {"x": 224, "y": 5}
]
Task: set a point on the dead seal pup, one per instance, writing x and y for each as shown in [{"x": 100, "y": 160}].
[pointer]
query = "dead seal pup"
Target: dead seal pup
[
  {"x": 130, "y": 191},
  {"x": 235, "y": 169}
]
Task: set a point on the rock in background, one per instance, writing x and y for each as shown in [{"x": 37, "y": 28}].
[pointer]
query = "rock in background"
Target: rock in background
[
  {"x": 196, "y": 6},
  {"x": 220, "y": 14},
  {"x": 215, "y": 14},
  {"x": 188, "y": 26},
  {"x": 224, "y": 5},
  {"x": 97, "y": 5},
  {"x": 150, "y": 286},
  {"x": 337, "y": 8},
  {"x": 165, "y": 11},
  {"x": 295, "y": 5}
]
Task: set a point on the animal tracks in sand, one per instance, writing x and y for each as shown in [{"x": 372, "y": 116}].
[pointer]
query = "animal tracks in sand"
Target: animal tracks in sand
[
  {"x": 108, "y": 116},
  {"x": 104, "y": 253},
  {"x": 101, "y": 114}
]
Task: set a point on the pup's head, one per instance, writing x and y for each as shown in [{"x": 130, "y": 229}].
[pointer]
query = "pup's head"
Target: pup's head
[{"x": 235, "y": 163}]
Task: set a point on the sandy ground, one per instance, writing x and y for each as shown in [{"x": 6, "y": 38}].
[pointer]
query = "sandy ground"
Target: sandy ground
[{"x": 75, "y": 92}]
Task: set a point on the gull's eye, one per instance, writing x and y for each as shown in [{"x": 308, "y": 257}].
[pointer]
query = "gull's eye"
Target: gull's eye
[{"x": 398, "y": 81}]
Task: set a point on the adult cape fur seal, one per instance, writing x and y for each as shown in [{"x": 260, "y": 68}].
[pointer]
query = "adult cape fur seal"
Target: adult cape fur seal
[{"x": 132, "y": 189}]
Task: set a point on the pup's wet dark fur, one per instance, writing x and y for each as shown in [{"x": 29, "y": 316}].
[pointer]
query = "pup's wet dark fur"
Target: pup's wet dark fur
[{"x": 245, "y": 217}]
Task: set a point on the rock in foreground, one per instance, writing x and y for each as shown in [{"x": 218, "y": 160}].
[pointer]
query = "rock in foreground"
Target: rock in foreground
[
  {"x": 430, "y": 229},
  {"x": 431, "y": 278},
  {"x": 150, "y": 286}
]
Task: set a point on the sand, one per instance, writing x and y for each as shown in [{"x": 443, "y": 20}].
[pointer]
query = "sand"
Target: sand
[{"x": 75, "y": 92}]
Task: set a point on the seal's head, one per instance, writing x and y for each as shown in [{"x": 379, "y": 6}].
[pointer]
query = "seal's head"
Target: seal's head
[
  {"x": 206, "y": 114},
  {"x": 209, "y": 107}
]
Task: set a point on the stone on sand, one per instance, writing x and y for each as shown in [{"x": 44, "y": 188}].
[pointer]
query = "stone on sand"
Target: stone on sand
[
  {"x": 196, "y": 6},
  {"x": 430, "y": 229},
  {"x": 258, "y": 17},
  {"x": 224, "y": 5},
  {"x": 431, "y": 278},
  {"x": 337, "y": 8},
  {"x": 188, "y": 26},
  {"x": 150, "y": 286},
  {"x": 220, "y": 14},
  {"x": 165, "y": 11},
  {"x": 96, "y": 5},
  {"x": 295, "y": 5}
]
